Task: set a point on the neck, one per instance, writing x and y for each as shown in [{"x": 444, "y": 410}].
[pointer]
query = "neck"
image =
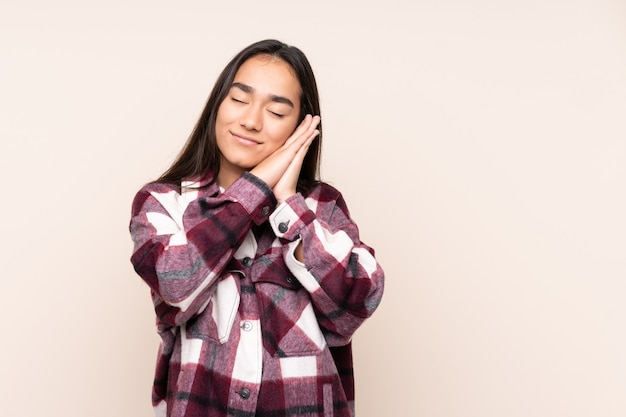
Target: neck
[{"x": 228, "y": 175}]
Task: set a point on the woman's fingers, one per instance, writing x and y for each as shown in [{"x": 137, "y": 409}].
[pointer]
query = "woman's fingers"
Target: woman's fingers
[
  {"x": 304, "y": 130},
  {"x": 274, "y": 167},
  {"x": 287, "y": 184}
]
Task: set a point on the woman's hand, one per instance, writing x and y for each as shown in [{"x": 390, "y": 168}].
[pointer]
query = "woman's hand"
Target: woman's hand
[
  {"x": 286, "y": 185},
  {"x": 282, "y": 168}
]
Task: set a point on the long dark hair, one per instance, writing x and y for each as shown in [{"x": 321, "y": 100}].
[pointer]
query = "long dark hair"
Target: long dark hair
[{"x": 200, "y": 155}]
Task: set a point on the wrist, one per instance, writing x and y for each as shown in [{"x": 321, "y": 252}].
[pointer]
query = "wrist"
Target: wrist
[{"x": 282, "y": 197}]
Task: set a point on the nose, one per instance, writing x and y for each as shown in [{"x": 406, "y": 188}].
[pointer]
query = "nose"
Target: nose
[{"x": 251, "y": 118}]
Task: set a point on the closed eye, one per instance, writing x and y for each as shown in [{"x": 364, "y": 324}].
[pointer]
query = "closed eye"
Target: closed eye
[
  {"x": 237, "y": 100},
  {"x": 280, "y": 116}
]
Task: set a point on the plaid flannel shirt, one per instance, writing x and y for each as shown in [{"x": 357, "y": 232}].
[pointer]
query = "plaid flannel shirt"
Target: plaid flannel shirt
[{"x": 247, "y": 329}]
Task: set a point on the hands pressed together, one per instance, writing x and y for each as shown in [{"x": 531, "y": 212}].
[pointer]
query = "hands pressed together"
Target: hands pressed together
[{"x": 282, "y": 168}]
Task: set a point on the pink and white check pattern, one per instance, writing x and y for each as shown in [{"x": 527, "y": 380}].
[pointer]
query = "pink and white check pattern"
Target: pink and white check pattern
[{"x": 248, "y": 330}]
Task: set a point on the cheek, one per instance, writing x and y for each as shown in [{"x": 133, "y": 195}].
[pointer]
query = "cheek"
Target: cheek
[
  {"x": 279, "y": 139},
  {"x": 284, "y": 130},
  {"x": 222, "y": 113}
]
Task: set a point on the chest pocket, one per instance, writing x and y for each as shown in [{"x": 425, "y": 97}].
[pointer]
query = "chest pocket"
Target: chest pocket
[
  {"x": 216, "y": 321},
  {"x": 288, "y": 322}
]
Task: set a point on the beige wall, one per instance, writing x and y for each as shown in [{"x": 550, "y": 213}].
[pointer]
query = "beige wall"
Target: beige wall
[{"x": 480, "y": 145}]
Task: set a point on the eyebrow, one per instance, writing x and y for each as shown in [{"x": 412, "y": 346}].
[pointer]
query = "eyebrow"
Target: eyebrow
[{"x": 273, "y": 97}]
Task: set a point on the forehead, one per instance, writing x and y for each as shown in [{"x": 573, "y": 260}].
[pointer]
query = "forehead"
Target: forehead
[{"x": 269, "y": 75}]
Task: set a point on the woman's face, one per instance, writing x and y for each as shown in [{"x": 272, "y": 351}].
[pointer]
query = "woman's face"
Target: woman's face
[{"x": 257, "y": 116}]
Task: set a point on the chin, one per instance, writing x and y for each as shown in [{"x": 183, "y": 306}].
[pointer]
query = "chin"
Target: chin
[
  {"x": 240, "y": 161},
  {"x": 247, "y": 165}
]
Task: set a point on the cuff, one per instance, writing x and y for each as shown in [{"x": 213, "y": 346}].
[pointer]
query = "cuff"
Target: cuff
[
  {"x": 254, "y": 195},
  {"x": 290, "y": 217}
]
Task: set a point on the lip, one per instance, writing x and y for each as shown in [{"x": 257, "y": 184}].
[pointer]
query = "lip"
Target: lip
[{"x": 245, "y": 140}]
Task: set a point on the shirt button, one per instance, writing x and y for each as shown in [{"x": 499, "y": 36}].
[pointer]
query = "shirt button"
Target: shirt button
[
  {"x": 246, "y": 326},
  {"x": 283, "y": 227},
  {"x": 265, "y": 210},
  {"x": 290, "y": 279},
  {"x": 247, "y": 261},
  {"x": 244, "y": 393}
]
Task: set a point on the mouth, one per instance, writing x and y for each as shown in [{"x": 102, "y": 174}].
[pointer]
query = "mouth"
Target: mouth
[{"x": 245, "y": 140}]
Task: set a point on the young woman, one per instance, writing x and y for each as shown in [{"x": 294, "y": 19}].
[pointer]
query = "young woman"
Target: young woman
[{"x": 257, "y": 273}]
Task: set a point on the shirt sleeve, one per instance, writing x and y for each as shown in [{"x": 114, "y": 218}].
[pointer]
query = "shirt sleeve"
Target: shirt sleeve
[
  {"x": 339, "y": 271},
  {"x": 183, "y": 241}
]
